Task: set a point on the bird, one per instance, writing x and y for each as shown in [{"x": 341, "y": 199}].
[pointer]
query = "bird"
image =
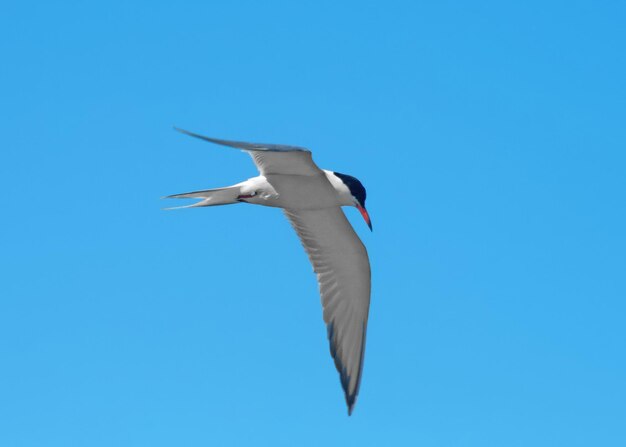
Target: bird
[{"x": 312, "y": 198}]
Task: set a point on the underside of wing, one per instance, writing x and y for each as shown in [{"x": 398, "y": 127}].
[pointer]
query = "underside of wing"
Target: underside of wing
[
  {"x": 343, "y": 271},
  {"x": 270, "y": 158}
]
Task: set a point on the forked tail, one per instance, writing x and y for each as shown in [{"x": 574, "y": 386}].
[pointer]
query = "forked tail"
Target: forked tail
[{"x": 209, "y": 197}]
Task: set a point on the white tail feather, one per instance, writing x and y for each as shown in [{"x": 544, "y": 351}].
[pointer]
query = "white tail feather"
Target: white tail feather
[{"x": 210, "y": 197}]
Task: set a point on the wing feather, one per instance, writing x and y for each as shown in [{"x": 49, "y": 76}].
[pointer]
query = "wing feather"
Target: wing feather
[
  {"x": 270, "y": 158},
  {"x": 343, "y": 271}
]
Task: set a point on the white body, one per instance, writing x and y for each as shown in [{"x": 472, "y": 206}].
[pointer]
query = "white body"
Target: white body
[{"x": 324, "y": 190}]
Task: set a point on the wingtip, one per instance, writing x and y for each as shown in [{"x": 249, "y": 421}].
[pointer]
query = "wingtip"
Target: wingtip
[
  {"x": 350, "y": 409},
  {"x": 351, "y": 402},
  {"x": 205, "y": 138},
  {"x": 186, "y": 132},
  {"x": 243, "y": 145}
]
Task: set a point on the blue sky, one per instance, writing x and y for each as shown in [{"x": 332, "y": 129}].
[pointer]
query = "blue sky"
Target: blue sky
[{"x": 490, "y": 137}]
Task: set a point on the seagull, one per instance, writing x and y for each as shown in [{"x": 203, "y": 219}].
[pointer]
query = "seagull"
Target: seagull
[{"x": 312, "y": 198}]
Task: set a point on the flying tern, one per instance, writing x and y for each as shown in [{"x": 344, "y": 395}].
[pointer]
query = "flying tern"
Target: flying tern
[{"x": 312, "y": 198}]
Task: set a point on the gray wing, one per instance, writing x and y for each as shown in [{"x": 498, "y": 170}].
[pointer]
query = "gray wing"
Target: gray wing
[
  {"x": 343, "y": 272},
  {"x": 270, "y": 158}
]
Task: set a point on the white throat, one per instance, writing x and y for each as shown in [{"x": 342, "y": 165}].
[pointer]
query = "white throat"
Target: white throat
[{"x": 343, "y": 192}]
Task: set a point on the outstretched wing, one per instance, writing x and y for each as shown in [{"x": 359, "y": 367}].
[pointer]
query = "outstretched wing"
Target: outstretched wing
[
  {"x": 270, "y": 158},
  {"x": 343, "y": 272}
]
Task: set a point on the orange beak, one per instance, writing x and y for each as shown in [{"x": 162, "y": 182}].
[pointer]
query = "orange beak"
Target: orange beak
[{"x": 365, "y": 216}]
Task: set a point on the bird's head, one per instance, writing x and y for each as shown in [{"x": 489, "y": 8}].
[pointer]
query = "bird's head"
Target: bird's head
[{"x": 358, "y": 195}]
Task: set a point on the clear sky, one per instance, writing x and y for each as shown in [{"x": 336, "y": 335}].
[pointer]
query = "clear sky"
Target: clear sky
[{"x": 490, "y": 136}]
